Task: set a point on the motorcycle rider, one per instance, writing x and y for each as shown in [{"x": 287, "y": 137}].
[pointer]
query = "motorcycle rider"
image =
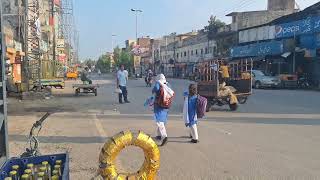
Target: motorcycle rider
[{"x": 149, "y": 76}]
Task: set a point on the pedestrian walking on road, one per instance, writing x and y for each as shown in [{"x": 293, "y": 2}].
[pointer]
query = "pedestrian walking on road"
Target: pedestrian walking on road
[
  {"x": 163, "y": 99},
  {"x": 122, "y": 79},
  {"x": 190, "y": 112}
]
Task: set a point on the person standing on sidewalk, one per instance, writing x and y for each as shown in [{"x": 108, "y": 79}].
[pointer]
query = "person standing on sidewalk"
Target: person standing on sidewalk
[
  {"x": 163, "y": 99},
  {"x": 122, "y": 79}
]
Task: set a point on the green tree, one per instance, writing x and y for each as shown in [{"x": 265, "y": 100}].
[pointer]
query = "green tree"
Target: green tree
[
  {"x": 116, "y": 55},
  {"x": 123, "y": 57},
  {"x": 213, "y": 27},
  {"x": 104, "y": 63},
  {"x": 89, "y": 62}
]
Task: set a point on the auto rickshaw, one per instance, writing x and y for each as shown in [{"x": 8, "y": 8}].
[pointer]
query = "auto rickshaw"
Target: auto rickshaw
[{"x": 72, "y": 73}]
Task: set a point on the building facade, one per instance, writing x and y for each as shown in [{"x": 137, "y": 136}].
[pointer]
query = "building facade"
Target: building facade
[
  {"x": 178, "y": 59},
  {"x": 276, "y": 9},
  {"x": 288, "y": 45}
]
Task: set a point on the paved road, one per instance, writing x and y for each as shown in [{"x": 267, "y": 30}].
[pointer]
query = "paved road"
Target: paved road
[
  {"x": 274, "y": 136},
  {"x": 262, "y": 101}
]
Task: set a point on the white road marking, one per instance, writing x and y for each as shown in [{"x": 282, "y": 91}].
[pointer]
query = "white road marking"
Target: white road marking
[{"x": 99, "y": 126}]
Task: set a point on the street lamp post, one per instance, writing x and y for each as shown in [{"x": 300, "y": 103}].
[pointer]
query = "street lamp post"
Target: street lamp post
[
  {"x": 113, "y": 35},
  {"x": 136, "y": 12},
  {"x": 112, "y": 50}
]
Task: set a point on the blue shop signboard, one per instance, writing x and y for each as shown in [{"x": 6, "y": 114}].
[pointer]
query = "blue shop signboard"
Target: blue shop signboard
[
  {"x": 258, "y": 49},
  {"x": 305, "y": 26},
  {"x": 317, "y": 40}
]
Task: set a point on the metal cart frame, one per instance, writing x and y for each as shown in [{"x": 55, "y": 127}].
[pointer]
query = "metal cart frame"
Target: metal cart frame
[{"x": 4, "y": 149}]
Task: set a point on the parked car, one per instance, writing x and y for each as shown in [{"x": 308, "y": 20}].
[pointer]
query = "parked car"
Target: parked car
[{"x": 261, "y": 80}]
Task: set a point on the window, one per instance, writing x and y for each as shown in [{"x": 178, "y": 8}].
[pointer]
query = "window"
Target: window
[
  {"x": 206, "y": 51},
  {"x": 181, "y": 54},
  {"x": 201, "y": 51},
  {"x": 177, "y": 55},
  {"x": 196, "y": 51},
  {"x": 191, "y": 52},
  {"x": 185, "y": 54},
  {"x": 210, "y": 50}
]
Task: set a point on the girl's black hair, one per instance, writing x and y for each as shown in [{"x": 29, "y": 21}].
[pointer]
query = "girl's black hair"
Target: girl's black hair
[{"x": 193, "y": 90}]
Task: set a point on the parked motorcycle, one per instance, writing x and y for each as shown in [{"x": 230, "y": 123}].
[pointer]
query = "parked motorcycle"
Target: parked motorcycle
[{"x": 304, "y": 82}]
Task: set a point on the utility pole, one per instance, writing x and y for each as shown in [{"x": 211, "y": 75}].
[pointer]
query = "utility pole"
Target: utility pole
[
  {"x": 294, "y": 54},
  {"x": 33, "y": 38},
  {"x": 54, "y": 42},
  {"x": 4, "y": 146}
]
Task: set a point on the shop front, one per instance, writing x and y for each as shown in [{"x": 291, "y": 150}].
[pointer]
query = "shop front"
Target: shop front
[{"x": 180, "y": 70}]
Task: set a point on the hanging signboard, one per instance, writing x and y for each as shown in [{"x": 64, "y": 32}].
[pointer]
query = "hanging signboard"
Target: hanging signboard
[
  {"x": 60, "y": 43},
  {"x": 57, "y": 2},
  {"x": 62, "y": 57},
  {"x": 258, "y": 49},
  {"x": 18, "y": 46}
]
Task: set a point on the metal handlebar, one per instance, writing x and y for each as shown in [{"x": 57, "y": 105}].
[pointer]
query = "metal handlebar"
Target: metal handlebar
[{"x": 33, "y": 139}]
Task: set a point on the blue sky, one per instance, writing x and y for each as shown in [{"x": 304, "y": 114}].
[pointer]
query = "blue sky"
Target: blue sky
[{"x": 97, "y": 20}]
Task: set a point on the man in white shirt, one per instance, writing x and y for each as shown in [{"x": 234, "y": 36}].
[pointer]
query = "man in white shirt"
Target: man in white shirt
[{"x": 122, "y": 79}]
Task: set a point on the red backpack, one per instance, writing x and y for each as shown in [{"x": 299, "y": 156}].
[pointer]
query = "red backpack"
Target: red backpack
[
  {"x": 201, "y": 106},
  {"x": 162, "y": 101}
]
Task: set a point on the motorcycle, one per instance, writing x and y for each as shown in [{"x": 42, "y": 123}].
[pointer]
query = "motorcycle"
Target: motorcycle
[
  {"x": 148, "y": 80},
  {"x": 303, "y": 82}
]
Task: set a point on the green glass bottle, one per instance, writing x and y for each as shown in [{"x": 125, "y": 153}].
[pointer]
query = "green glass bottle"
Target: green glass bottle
[
  {"x": 47, "y": 165},
  {"x": 40, "y": 176},
  {"x": 59, "y": 162},
  {"x": 58, "y": 168},
  {"x": 32, "y": 167},
  {"x": 16, "y": 168},
  {"x": 29, "y": 172},
  {"x": 25, "y": 177},
  {"x": 55, "y": 177},
  {"x": 43, "y": 169},
  {"x": 55, "y": 173},
  {"x": 13, "y": 175}
]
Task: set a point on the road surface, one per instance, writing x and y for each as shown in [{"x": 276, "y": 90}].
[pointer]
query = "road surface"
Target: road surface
[{"x": 274, "y": 136}]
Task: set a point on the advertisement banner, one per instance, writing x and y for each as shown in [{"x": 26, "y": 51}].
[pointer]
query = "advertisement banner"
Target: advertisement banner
[
  {"x": 62, "y": 57},
  {"x": 60, "y": 43},
  {"x": 136, "y": 61},
  {"x": 305, "y": 26}
]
